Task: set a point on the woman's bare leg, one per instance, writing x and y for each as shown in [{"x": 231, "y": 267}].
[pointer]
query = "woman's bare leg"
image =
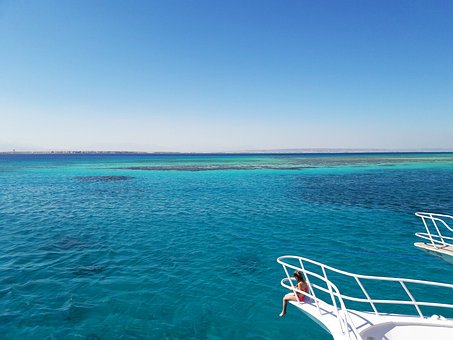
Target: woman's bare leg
[{"x": 286, "y": 298}]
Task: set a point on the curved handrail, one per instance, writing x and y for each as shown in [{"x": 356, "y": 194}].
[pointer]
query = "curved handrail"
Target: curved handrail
[
  {"x": 344, "y": 319},
  {"x": 346, "y": 324},
  {"x": 432, "y": 238},
  {"x": 437, "y": 220}
]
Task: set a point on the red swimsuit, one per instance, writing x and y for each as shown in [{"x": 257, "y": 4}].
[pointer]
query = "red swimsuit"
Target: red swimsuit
[{"x": 301, "y": 297}]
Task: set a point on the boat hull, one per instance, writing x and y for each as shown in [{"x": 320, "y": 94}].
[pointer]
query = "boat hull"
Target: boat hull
[{"x": 445, "y": 253}]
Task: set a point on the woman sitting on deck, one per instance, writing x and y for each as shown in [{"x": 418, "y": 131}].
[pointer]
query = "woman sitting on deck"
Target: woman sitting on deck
[{"x": 301, "y": 285}]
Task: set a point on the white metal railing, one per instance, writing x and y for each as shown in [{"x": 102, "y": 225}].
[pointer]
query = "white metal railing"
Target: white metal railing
[
  {"x": 346, "y": 324},
  {"x": 437, "y": 222}
]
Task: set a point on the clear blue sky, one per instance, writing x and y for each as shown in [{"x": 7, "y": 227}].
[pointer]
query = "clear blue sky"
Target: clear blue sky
[{"x": 225, "y": 75}]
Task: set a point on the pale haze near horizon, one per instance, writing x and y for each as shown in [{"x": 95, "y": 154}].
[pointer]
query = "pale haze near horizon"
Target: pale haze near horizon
[{"x": 207, "y": 76}]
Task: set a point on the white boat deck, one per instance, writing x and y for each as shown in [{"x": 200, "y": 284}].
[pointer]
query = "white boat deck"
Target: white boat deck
[
  {"x": 373, "y": 327},
  {"x": 331, "y": 313},
  {"x": 447, "y": 250}
]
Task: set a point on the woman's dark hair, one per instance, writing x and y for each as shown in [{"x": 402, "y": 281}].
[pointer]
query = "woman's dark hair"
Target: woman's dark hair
[{"x": 298, "y": 275}]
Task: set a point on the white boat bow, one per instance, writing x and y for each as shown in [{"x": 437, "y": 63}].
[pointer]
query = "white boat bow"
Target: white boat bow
[
  {"x": 325, "y": 304},
  {"x": 438, "y": 234}
]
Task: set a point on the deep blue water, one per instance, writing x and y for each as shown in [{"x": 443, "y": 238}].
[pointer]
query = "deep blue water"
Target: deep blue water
[{"x": 185, "y": 246}]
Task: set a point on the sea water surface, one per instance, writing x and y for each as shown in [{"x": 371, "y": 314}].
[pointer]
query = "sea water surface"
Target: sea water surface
[{"x": 185, "y": 246}]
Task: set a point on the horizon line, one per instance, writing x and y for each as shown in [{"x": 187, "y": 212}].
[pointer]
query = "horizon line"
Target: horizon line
[{"x": 258, "y": 151}]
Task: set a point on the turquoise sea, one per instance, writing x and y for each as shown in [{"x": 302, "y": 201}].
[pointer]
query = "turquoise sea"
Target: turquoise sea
[{"x": 185, "y": 246}]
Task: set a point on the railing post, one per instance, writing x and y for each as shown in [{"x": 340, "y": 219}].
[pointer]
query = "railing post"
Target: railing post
[
  {"x": 309, "y": 285},
  {"x": 367, "y": 296},
  {"x": 412, "y": 299},
  {"x": 437, "y": 229},
  {"x": 290, "y": 281},
  {"x": 346, "y": 317},
  {"x": 340, "y": 319},
  {"x": 429, "y": 233}
]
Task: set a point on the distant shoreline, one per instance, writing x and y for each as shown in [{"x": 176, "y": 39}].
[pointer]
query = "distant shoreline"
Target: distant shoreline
[{"x": 251, "y": 152}]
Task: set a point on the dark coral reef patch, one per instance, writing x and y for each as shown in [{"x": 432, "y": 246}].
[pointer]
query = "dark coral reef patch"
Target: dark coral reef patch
[{"x": 102, "y": 178}]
